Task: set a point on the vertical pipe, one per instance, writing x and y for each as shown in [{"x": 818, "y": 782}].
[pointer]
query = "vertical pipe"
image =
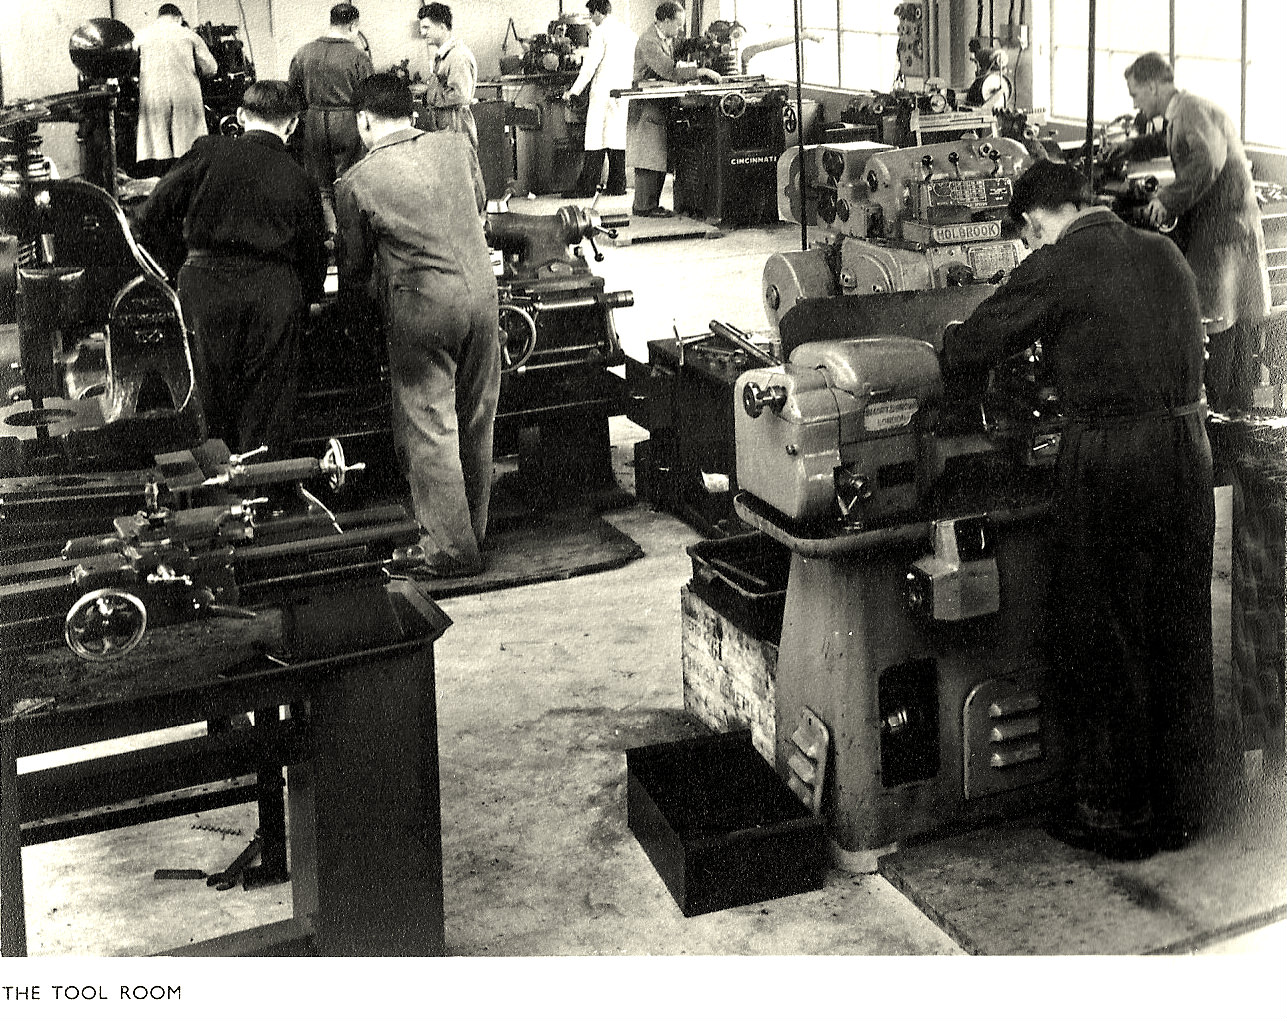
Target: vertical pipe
[
  {"x": 1090, "y": 97},
  {"x": 1242, "y": 85},
  {"x": 1170, "y": 45},
  {"x": 840, "y": 48},
  {"x": 797, "y": 6}
]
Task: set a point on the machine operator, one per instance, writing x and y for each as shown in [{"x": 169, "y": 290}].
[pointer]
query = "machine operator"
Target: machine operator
[
  {"x": 454, "y": 77},
  {"x": 1219, "y": 224},
  {"x": 325, "y": 71},
  {"x": 608, "y": 65},
  {"x": 409, "y": 217},
  {"x": 1118, "y": 314},
  {"x": 647, "y": 138},
  {"x": 251, "y": 221}
]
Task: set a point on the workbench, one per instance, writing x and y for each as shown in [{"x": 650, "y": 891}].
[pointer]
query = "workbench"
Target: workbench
[{"x": 353, "y": 721}]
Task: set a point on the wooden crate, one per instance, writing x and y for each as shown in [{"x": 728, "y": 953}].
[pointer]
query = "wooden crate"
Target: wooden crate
[{"x": 729, "y": 674}]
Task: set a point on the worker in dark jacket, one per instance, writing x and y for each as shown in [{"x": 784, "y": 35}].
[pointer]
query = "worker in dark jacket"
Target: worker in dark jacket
[
  {"x": 1117, "y": 312},
  {"x": 410, "y": 218},
  {"x": 326, "y": 71},
  {"x": 251, "y": 221},
  {"x": 1219, "y": 226}
]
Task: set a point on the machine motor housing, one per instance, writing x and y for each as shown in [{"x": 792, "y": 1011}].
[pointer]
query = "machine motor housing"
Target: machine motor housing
[{"x": 841, "y": 430}]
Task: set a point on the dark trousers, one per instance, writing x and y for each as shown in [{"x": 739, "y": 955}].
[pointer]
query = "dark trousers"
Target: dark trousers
[
  {"x": 1130, "y": 618},
  {"x": 648, "y": 185},
  {"x": 330, "y": 137},
  {"x": 1233, "y": 368},
  {"x": 592, "y": 172},
  {"x": 244, "y": 317},
  {"x": 444, "y": 367}
]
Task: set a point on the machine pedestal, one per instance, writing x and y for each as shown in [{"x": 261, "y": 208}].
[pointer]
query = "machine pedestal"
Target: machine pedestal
[{"x": 933, "y": 724}]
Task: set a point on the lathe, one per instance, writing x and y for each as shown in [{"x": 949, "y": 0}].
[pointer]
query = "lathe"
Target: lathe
[
  {"x": 899, "y": 220},
  {"x": 914, "y": 510},
  {"x": 558, "y": 344}
]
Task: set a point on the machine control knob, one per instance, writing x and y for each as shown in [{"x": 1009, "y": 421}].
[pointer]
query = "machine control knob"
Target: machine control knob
[{"x": 756, "y": 398}]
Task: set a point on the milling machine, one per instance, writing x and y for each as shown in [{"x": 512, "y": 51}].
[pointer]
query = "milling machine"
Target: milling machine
[
  {"x": 899, "y": 220},
  {"x": 913, "y": 506}
]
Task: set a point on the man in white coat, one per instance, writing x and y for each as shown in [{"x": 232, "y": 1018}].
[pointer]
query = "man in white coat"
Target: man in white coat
[
  {"x": 608, "y": 65},
  {"x": 171, "y": 112}
]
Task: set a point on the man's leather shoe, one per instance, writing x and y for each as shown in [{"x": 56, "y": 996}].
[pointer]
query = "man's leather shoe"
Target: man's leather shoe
[
  {"x": 614, "y": 191},
  {"x": 659, "y": 212},
  {"x": 1124, "y": 844}
]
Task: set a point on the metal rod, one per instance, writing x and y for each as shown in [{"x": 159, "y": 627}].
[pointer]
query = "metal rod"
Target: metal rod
[
  {"x": 799, "y": 118},
  {"x": 1090, "y": 97},
  {"x": 1242, "y": 83},
  {"x": 735, "y": 336}
]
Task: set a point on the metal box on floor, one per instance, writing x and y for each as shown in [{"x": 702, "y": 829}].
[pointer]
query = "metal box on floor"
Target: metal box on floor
[
  {"x": 719, "y": 825},
  {"x": 744, "y": 577}
]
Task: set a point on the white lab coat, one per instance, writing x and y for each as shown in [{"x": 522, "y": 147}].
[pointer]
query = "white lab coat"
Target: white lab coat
[{"x": 608, "y": 65}]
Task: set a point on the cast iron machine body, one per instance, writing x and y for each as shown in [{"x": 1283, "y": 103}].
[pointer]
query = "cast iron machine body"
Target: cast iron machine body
[
  {"x": 558, "y": 337},
  {"x": 104, "y": 374},
  {"x": 914, "y": 509},
  {"x": 900, "y": 220}
]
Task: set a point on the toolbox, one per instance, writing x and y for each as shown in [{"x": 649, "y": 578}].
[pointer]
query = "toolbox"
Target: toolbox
[
  {"x": 744, "y": 578},
  {"x": 719, "y": 825}
]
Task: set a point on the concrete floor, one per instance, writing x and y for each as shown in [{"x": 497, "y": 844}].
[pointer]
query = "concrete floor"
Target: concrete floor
[{"x": 540, "y": 691}]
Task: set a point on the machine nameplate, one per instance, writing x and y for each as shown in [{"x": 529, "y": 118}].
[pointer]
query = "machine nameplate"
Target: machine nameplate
[
  {"x": 956, "y": 233},
  {"x": 987, "y": 259},
  {"x": 973, "y": 192},
  {"x": 889, "y": 414}
]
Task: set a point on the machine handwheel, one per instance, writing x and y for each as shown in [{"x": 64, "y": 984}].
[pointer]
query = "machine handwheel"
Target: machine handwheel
[
  {"x": 789, "y": 120},
  {"x": 105, "y": 624},
  {"x": 733, "y": 105},
  {"x": 517, "y": 336}
]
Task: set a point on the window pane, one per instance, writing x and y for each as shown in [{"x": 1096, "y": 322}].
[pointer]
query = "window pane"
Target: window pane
[
  {"x": 869, "y": 61},
  {"x": 1266, "y": 114},
  {"x": 1068, "y": 21},
  {"x": 817, "y": 14},
  {"x": 1216, "y": 80},
  {"x": 1206, "y": 29},
  {"x": 1266, "y": 30},
  {"x": 819, "y": 62},
  {"x": 1068, "y": 82},
  {"x": 1140, "y": 25}
]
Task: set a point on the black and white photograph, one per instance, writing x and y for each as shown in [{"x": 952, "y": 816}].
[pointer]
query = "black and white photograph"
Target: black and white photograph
[{"x": 609, "y": 509}]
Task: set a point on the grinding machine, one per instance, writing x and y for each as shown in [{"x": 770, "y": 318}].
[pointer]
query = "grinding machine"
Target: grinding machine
[
  {"x": 913, "y": 506},
  {"x": 930, "y": 216}
]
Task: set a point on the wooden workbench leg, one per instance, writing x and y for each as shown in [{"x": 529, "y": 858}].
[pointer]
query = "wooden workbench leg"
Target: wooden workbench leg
[
  {"x": 13, "y": 913},
  {"x": 374, "y": 820}
]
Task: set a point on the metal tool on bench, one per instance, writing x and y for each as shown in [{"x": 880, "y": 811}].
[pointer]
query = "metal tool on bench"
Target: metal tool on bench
[{"x": 164, "y": 565}]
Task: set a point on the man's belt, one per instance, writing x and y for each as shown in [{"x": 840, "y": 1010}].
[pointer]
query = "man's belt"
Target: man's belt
[
  {"x": 200, "y": 255},
  {"x": 1120, "y": 420}
]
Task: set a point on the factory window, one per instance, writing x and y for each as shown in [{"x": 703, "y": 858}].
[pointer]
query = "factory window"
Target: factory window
[
  {"x": 1208, "y": 57},
  {"x": 856, "y": 48}
]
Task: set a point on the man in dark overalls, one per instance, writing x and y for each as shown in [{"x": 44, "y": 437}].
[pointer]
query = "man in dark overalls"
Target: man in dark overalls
[
  {"x": 326, "y": 71},
  {"x": 251, "y": 222},
  {"x": 1132, "y": 517},
  {"x": 411, "y": 231}
]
